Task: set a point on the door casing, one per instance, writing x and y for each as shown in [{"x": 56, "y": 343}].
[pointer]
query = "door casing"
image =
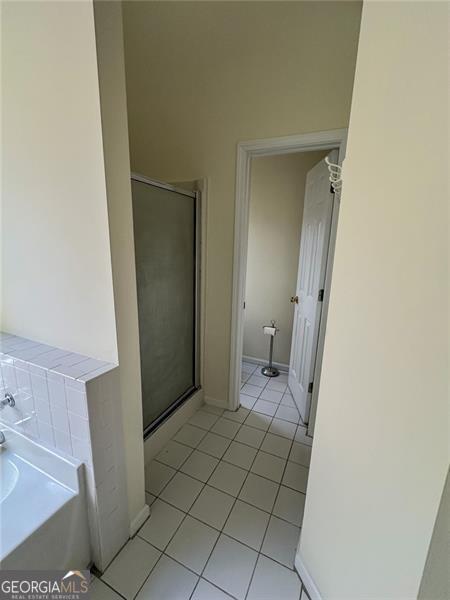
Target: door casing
[{"x": 322, "y": 140}]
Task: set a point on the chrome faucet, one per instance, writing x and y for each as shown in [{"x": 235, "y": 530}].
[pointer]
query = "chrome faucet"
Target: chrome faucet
[{"x": 7, "y": 401}]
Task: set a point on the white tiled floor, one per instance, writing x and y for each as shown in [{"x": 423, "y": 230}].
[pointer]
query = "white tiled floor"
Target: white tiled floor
[{"x": 227, "y": 497}]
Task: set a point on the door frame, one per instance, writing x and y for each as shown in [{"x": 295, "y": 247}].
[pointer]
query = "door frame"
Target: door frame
[{"x": 305, "y": 142}]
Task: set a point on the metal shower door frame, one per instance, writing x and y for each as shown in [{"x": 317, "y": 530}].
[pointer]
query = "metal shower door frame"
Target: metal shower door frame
[{"x": 196, "y": 195}]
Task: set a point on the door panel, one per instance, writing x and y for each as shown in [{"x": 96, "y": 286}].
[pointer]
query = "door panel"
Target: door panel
[
  {"x": 166, "y": 252},
  {"x": 317, "y": 212}
]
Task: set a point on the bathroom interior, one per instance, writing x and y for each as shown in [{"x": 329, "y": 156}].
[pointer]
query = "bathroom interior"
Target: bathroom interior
[
  {"x": 139, "y": 436},
  {"x": 132, "y": 414}
]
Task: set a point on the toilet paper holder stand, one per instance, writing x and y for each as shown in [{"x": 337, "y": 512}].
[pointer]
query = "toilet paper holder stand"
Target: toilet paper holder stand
[{"x": 269, "y": 370}]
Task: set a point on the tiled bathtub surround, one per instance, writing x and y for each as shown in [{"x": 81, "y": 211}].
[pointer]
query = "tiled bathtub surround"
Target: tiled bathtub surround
[
  {"x": 49, "y": 387},
  {"x": 70, "y": 402}
]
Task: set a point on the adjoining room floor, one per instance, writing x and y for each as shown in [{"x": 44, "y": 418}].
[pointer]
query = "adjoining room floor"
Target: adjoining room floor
[{"x": 227, "y": 496}]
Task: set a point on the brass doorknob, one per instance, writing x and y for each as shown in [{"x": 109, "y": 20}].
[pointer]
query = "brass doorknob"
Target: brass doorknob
[{"x": 294, "y": 299}]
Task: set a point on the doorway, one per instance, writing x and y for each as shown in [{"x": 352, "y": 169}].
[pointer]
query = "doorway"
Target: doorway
[{"x": 301, "y": 376}]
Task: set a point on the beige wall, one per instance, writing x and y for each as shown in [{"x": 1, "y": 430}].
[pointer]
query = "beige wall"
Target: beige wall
[
  {"x": 276, "y": 210},
  {"x": 108, "y": 27},
  {"x": 203, "y": 75},
  {"x": 57, "y": 284},
  {"x": 376, "y": 479}
]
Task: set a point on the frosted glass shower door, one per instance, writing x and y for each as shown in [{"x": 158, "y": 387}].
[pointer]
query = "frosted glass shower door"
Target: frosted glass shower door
[{"x": 166, "y": 238}]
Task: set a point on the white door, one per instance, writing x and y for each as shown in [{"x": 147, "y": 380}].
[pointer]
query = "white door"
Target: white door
[{"x": 315, "y": 237}]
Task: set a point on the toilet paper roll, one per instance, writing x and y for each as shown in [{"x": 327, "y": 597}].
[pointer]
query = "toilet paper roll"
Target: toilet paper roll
[{"x": 269, "y": 330}]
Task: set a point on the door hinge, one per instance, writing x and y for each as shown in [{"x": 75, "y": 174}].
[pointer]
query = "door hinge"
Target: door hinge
[
  {"x": 310, "y": 387},
  {"x": 244, "y": 305},
  {"x": 321, "y": 293}
]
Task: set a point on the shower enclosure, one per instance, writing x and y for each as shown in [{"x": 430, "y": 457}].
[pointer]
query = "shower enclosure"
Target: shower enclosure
[{"x": 167, "y": 252}]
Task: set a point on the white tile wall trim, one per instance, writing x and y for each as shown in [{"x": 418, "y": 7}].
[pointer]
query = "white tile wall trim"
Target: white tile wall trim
[{"x": 70, "y": 403}]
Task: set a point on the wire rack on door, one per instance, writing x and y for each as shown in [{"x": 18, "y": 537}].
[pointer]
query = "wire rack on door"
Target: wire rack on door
[{"x": 335, "y": 175}]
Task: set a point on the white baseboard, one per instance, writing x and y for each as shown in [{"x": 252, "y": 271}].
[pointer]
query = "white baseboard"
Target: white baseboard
[
  {"x": 263, "y": 361},
  {"x": 307, "y": 580},
  {"x": 214, "y": 402},
  {"x": 139, "y": 519}
]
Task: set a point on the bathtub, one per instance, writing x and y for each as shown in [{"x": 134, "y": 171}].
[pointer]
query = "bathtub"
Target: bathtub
[{"x": 43, "y": 514}]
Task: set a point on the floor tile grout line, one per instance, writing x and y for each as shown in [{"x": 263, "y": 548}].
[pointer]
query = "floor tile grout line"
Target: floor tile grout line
[
  {"x": 151, "y": 571},
  {"x": 231, "y": 439},
  {"x": 276, "y": 497},
  {"x": 237, "y": 466},
  {"x": 220, "y": 532},
  {"x": 108, "y": 585},
  {"x": 211, "y": 583},
  {"x": 257, "y": 559},
  {"x": 270, "y": 513},
  {"x": 163, "y": 552},
  {"x": 175, "y": 533},
  {"x": 192, "y": 450},
  {"x": 165, "y": 485},
  {"x": 147, "y": 576},
  {"x": 280, "y": 483},
  {"x": 248, "y": 472},
  {"x": 259, "y": 374},
  {"x": 265, "y": 534},
  {"x": 278, "y": 403},
  {"x": 265, "y": 386},
  {"x": 224, "y": 525},
  {"x": 178, "y": 471},
  {"x": 193, "y": 476},
  {"x": 297, "y": 423},
  {"x": 240, "y": 490},
  {"x": 221, "y": 589},
  {"x": 278, "y": 492},
  {"x": 279, "y": 562},
  {"x": 259, "y": 553},
  {"x": 228, "y": 517},
  {"x": 195, "y": 479},
  {"x": 226, "y": 520},
  {"x": 292, "y": 440}
]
